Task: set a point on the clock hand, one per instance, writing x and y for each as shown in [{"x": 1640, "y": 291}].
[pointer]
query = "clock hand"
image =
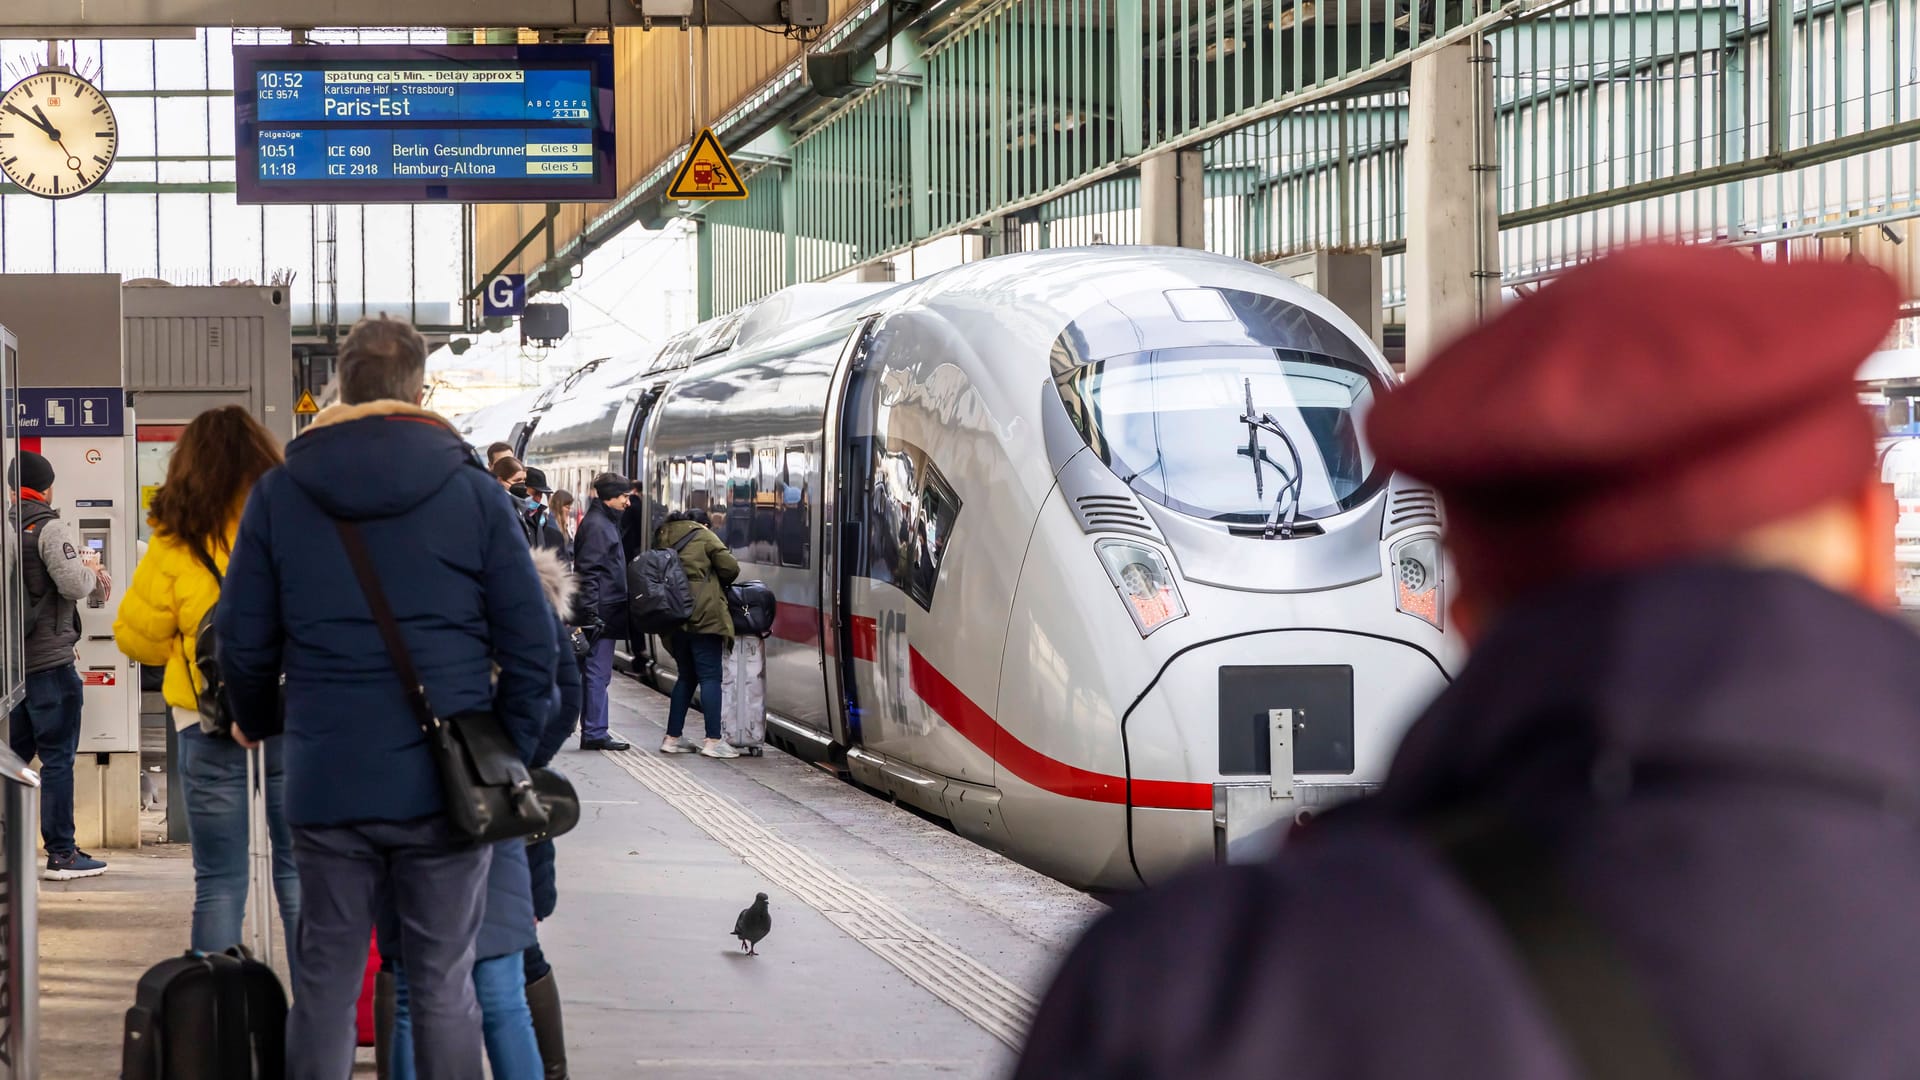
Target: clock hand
[
  {"x": 47, "y": 125},
  {"x": 40, "y": 123}
]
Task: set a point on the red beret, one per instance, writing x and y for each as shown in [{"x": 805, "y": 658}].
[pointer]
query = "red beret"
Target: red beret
[{"x": 1654, "y": 404}]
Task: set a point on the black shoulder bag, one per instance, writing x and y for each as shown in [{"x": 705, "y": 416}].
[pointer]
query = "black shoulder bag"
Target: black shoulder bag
[
  {"x": 488, "y": 790},
  {"x": 210, "y": 689}
]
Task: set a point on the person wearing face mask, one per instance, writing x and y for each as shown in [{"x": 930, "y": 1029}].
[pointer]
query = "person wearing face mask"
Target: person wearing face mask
[
  {"x": 542, "y": 530},
  {"x": 600, "y": 568}
]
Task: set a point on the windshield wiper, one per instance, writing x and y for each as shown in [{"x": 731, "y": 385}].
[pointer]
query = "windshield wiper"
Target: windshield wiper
[{"x": 1278, "y": 525}]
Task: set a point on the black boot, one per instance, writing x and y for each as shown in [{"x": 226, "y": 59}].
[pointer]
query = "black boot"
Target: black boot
[
  {"x": 382, "y": 1022},
  {"x": 543, "y": 1000}
]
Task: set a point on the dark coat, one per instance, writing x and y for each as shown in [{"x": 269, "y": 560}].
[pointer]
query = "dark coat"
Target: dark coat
[
  {"x": 600, "y": 568},
  {"x": 1765, "y": 904},
  {"x": 508, "y": 925},
  {"x": 710, "y": 569},
  {"x": 456, "y": 570}
]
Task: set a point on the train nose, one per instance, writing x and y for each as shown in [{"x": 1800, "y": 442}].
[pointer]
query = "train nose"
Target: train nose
[{"x": 1300, "y": 720}]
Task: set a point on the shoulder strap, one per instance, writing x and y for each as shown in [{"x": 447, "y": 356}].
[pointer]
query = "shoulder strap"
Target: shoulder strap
[
  {"x": 213, "y": 568},
  {"x": 363, "y": 569},
  {"x": 680, "y": 544},
  {"x": 1610, "y": 1030}
]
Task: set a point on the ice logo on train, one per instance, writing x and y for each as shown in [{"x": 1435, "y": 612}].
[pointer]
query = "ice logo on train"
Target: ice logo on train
[{"x": 1083, "y": 551}]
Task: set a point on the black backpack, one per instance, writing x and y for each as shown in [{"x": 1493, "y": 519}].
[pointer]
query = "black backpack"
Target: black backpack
[
  {"x": 659, "y": 596},
  {"x": 210, "y": 688},
  {"x": 218, "y": 1016}
]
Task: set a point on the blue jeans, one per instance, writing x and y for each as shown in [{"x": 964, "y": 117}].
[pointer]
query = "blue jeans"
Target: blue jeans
[
  {"x": 596, "y": 670},
  {"x": 696, "y": 657},
  {"x": 213, "y": 781},
  {"x": 500, "y": 984},
  {"x": 47, "y": 725}
]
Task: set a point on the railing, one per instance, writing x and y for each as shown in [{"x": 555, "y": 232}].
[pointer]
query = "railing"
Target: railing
[{"x": 19, "y": 918}]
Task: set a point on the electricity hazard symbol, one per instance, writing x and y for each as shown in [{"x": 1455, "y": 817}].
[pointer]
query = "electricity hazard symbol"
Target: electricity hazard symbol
[
  {"x": 306, "y": 406},
  {"x": 707, "y": 173}
]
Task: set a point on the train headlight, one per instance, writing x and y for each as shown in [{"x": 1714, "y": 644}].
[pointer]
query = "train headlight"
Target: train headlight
[
  {"x": 1417, "y": 587},
  {"x": 1145, "y": 584}
]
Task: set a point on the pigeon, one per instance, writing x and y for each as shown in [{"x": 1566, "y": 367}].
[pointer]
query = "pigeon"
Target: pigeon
[{"x": 752, "y": 925}]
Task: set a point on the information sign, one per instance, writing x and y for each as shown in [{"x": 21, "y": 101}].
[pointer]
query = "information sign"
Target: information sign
[
  {"x": 386, "y": 123},
  {"x": 71, "y": 412},
  {"x": 505, "y": 297}
]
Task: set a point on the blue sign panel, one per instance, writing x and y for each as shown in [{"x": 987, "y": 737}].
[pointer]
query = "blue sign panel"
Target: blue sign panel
[
  {"x": 72, "y": 412},
  {"x": 506, "y": 296},
  {"x": 391, "y": 123}
]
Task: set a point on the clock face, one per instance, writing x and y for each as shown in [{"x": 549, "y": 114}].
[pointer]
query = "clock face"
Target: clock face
[{"x": 57, "y": 134}]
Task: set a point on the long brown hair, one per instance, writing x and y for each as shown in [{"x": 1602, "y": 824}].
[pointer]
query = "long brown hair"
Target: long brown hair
[{"x": 215, "y": 464}]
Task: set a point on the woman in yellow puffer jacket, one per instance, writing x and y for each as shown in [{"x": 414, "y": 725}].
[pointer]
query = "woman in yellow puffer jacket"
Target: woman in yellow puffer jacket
[{"x": 194, "y": 517}]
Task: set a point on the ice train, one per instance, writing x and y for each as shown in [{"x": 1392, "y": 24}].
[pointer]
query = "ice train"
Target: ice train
[{"x": 1083, "y": 551}]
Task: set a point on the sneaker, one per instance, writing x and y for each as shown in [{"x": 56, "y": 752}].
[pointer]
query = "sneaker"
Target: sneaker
[
  {"x": 74, "y": 864},
  {"x": 678, "y": 744},
  {"x": 719, "y": 748},
  {"x": 607, "y": 743}
]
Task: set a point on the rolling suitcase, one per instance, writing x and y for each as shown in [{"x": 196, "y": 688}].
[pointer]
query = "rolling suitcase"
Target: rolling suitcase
[
  {"x": 220, "y": 1016},
  {"x": 743, "y": 696}
]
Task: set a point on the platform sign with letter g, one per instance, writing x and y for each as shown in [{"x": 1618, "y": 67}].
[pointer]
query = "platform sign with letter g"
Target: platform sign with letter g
[{"x": 505, "y": 296}]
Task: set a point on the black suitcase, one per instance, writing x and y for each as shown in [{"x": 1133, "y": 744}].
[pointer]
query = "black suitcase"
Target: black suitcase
[{"x": 220, "y": 1016}]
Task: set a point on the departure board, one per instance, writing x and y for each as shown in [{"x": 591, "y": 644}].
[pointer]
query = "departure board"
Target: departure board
[{"x": 378, "y": 123}]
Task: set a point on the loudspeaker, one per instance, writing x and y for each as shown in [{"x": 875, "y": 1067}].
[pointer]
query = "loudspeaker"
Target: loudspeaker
[
  {"x": 840, "y": 73},
  {"x": 543, "y": 322}
]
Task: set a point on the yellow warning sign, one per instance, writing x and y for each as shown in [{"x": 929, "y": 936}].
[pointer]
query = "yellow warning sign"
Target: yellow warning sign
[
  {"x": 306, "y": 406},
  {"x": 708, "y": 173},
  {"x": 146, "y": 496}
]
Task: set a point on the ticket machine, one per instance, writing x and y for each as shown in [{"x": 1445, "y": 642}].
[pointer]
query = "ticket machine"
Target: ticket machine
[{"x": 86, "y": 434}]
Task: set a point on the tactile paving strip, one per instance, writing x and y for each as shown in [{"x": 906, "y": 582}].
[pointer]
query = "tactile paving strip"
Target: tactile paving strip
[{"x": 976, "y": 991}]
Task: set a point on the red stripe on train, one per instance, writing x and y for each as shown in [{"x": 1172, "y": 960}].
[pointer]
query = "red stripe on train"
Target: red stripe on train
[{"x": 979, "y": 727}]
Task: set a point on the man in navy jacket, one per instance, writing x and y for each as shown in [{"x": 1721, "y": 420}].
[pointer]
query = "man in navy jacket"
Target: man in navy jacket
[
  {"x": 600, "y": 568},
  {"x": 362, "y": 792}
]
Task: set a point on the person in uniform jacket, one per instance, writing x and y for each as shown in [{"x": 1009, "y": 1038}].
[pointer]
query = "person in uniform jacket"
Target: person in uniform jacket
[
  {"x": 600, "y": 571},
  {"x": 1664, "y": 822},
  {"x": 363, "y": 794},
  {"x": 195, "y": 515},
  {"x": 58, "y": 573},
  {"x": 700, "y": 647}
]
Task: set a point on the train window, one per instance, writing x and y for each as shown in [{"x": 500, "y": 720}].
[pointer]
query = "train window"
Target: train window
[
  {"x": 676, "y": 484},
  {"x": 1171, "y": 424},
  {"x": 699, "y": 484},
  {"x": 934, "y": 514},
  {"x": 796, "y": 512},
  {"x": 742, "y": 486}
]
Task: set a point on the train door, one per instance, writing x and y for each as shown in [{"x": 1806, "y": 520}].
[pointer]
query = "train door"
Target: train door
[
  {"x": 641, "y": 655},
  {"x": 841, "y": 527}
]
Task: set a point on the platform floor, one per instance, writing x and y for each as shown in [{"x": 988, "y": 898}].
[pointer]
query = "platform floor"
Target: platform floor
[{"x": 898, "y": 949}]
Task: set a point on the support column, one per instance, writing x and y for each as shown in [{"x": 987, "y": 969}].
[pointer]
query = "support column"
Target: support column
[
  {"x": 1173, "y": 199},
  {"x": 1453, "y": 255},
  {"x": 703, "y": 269}
]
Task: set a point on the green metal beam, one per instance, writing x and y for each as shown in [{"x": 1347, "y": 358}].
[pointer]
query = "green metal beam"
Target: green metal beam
[{"x": 144, "y": 187}]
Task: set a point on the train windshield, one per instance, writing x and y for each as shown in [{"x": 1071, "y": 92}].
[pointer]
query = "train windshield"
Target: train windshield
[{"x": 1174, "y": 424}]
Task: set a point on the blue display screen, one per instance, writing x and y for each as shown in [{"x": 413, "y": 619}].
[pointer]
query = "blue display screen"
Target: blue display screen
[{"x": 422, "y": 124}]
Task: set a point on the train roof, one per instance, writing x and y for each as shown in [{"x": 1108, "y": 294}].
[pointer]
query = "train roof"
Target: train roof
[{"x": 1033, "y": 296}]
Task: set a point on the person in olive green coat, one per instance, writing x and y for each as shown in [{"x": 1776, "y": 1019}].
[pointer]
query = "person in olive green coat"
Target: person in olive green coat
[{"x": 699, "y": 648}]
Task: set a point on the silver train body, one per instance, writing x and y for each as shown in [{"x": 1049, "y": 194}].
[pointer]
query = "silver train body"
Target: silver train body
[{"x": 1081, "y": 551}]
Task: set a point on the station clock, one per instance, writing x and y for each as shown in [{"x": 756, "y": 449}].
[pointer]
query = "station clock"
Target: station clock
[{"x": 58, "y": 136}]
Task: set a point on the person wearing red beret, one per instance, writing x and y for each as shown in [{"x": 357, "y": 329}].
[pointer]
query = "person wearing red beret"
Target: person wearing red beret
[{"x": 1666, "y": 822}]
